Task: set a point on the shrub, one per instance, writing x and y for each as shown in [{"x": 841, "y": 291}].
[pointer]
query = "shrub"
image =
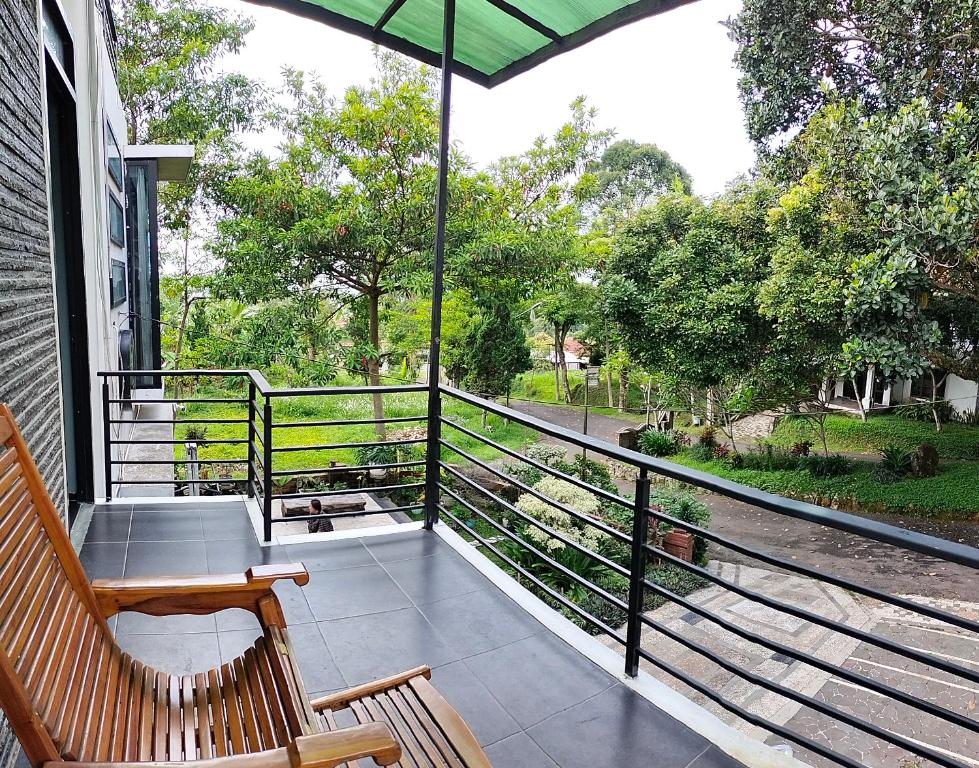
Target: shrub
[
  {"x": 545, "y": 453},
  {"x": 833, "y": 465},
  {"x": 708, "y": 436},
  {"x": 525, "y": 473},
  {"x": 923, "y": 412},
  {"x": 767, "y": 459},
  {"x": 195, "y": 434},
  {"x": 377, "y": 454},
  {"x": 897, "y": 461},
  {"x": 801, "y": 448},
  {"x": 595, "y": 472},
  {"x": 686, "y": 507},
  {"x": 721, "y": 451},
  {"x": 654, "y": 443},
  {"x": 571, "y": 496}
]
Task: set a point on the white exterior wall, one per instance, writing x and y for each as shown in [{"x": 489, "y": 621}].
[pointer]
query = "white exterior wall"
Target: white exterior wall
[
  {"x": 98, "y": 101},
  {"x": 962, "y": 394}
]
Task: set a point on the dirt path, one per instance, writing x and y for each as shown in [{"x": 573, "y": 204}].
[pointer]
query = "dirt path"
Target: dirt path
[{"x": 868, "y": 562}]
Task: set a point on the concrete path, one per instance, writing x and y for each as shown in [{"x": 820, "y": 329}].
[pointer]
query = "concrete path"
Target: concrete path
[{"x": 136, "y": 474}]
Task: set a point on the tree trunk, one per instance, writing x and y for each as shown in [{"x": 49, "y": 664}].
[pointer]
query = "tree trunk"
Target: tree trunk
[
  {"x": 623, "y": 388},
  {"x": 557, "y": 363},
  {"x": 860, "y": 406},
  {"x": 934, "y": 398},
  {"x": 608, "y": 372},
  {"x": 560, "y": 335},
  {"x": 373, "y": 363}
]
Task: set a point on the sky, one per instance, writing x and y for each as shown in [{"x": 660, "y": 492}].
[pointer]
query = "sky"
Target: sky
[{"x": 668, "y": 80}]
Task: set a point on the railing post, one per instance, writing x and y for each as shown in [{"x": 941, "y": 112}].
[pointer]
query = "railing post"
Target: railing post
[
  {"x": 637, "y": 573},
  {"x": 267, "y": 465},
  {"x": 250, "y": 483},
  {"x": 106, "y": 439}
]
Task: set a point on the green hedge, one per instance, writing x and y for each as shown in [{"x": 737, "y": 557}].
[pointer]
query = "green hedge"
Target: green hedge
[
  {"x": 850, "y": 434},
  {"x": 953, "y": 492}
]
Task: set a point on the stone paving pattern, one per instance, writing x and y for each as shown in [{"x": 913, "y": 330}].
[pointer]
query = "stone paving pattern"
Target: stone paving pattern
[
  {"x": 898, "y": 625},
  {"x": 378, "y": 605}
]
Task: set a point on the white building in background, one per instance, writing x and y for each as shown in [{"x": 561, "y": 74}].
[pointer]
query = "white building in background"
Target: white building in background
[{"x": 961, "y": 394}]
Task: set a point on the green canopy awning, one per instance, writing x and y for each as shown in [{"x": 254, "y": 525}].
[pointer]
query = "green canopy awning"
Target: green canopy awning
[{"x": 494, "y": 39}]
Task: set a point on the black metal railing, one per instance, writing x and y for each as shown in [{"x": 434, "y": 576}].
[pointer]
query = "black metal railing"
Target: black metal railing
[
  {"x": 601, "y": 567},
  {"x": 264, "y": 470},
  {"x": 631, "y": 548}
]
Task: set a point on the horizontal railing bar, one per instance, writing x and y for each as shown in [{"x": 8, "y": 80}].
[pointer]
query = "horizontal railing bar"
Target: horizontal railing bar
[
  {"x": 815, "y": 618},
  {"x": 358, "y": 390},
  {"x": 176, "y": 400},
  {"x": 356, "y": 513},
  {"x": 257, "y": 489},
  {"x": 348, "y": 422},
  {"x": 207, "y": 441},
  {"x": 172, "y": 462},
  {"x": 808, "y": 701},
  {"x": 177, "y": 372},
  {"x": 615, "y": 499},
  {"x": 178, "y": 421},
  {"x": 567, "y": 540},
  {"x": 789, "y": 565},
  {"x": 345, "y": 468},
  {"x": 256, "y": 457},
  {"x": 340, "y": 446},
  {"x": 584, "y": 615},
  {"x": 950, "y": 551},
  {"x": 747, "y": 715},
  {"x": 598, "y": 524},
  {"x": 348, "y": 491},
  {"x": 814, "y": 661},
  {"x": 605, "y": 595},
  {"x": 182, "y": 482}
]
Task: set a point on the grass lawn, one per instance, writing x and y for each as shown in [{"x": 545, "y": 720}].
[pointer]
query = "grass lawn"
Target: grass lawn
[
  {"x": 953, "y": 492},
  {"x": 851, "y": 435},
  {"x": 342, "y": 407}
]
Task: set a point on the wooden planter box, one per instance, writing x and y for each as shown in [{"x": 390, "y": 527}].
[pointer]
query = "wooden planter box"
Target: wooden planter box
[{"x": 679, "y": 544}]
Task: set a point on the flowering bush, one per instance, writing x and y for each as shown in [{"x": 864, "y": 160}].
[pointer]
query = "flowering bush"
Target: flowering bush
[{"x": 571, "y": 496}]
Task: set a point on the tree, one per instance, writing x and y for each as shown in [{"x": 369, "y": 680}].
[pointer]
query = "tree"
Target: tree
[
  {"x": 630, "y": 175},
  {"x": 795, "y": 56},
  {"x": 349, "y": 205},
  {"x": 497, "y": 351},
  {"x": 564, "y": 306},
  {"x": 172, "y": 93}
]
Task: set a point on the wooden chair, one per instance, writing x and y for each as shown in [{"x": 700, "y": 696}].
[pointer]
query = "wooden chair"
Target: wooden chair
[{"x": 76, "y": 700}]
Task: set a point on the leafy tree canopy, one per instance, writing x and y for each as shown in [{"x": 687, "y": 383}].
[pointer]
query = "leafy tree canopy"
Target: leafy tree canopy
[{"x": 793, "y": 54}]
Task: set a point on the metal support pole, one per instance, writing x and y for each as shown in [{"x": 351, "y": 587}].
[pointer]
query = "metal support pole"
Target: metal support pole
[
  {"x": 267, "y": 474},
  {"x": 637, "y": 573},
  {"x": 433, "y": 447},
  {"x": 106, "y": 438},
  {"x": 584, "y": 428},
  {"x": 250, "y": 484}
]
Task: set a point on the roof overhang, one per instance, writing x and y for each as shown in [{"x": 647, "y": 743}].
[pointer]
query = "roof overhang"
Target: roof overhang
[
  {"x": 495, "y": 39},
  {"x": 172, "y": 160}
]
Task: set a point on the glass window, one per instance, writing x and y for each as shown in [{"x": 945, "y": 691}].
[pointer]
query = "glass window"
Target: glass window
[
  {"x": 117, "y": 221},
  {"x": 113, "y": 156},
  {"x": 118, "y": 282}
]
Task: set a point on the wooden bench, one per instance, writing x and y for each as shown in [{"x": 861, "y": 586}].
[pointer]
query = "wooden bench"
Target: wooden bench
[{"x": 72, "y": 696}]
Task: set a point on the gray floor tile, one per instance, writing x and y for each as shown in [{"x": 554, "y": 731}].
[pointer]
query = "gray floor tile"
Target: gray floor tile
[
  {"x": 227, "y": 522},
  {"x": 175, "y": 654},
  {"x": 102, "y": 560},
  {"x": 166, "y": 558},
  {"x": 406, "y": 546},
  {"x": 617, "y": 727},
  {"x": 330, "y": 555},
  {"x": 353, "y": 592},
  {"x": 235, "y": 642},
  {"x": 293, "y": 600},
  {"x": 379, "y": 644},
  {"x": 236, "y": 618},
  {"x": 484, "y": 714},
  {"x": 108, "y": 526},
  {"x": 238, "y": 555},
  {"x": 429, "y": 579},
  {"x": 319, "y": 670},
  {"x": 175, "y": 524},
  {"x": 536, "y": 677},
  {"x": 131, "y": 623},
  {"x": 480, "y": 621},
  {"x": 519, "y": 751}
]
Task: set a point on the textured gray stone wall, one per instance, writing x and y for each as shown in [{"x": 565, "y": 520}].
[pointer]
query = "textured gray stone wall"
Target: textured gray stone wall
[{"x": 29, "y": 380}]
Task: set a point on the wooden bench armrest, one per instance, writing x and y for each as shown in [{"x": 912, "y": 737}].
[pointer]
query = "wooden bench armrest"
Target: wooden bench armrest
[
  {"x": 167, "y": 595},
  {"x": 317, "y": 750}
]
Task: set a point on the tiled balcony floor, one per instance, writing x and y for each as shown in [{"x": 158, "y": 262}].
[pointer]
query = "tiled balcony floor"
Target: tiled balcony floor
[{"x": 379, "y": 605}]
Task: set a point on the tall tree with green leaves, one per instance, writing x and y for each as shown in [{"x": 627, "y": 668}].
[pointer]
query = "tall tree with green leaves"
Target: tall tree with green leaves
[
  {"x": 174, "y": 93},
  {"x": 795, "y": 56}
]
